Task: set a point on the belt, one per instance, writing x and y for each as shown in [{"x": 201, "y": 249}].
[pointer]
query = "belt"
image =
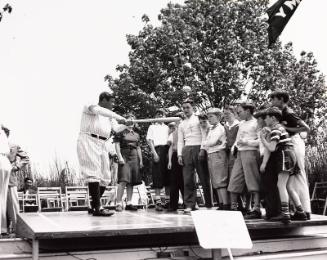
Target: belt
[{"x": 99, "y": 137}]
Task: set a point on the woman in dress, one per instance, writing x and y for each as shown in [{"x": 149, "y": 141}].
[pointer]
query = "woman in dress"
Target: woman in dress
[{"x": 130, "y": 162}]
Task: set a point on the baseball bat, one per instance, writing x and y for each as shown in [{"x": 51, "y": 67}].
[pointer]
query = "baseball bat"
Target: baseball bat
[{"x": 157, "y": 120}]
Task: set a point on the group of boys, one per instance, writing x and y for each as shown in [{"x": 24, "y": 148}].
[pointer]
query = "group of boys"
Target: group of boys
[
  {"x": 255, "y": 153},
  {"x": 257, "y": 156}
]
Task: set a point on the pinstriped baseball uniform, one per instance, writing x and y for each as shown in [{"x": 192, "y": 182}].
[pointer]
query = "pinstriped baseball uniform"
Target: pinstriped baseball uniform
[
  {"x": 5, "y": 169},
  {"x": 92, "y": 151}
]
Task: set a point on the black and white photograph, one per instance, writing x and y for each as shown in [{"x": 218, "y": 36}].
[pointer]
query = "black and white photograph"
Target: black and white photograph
[{"x": 163, "y": 129}]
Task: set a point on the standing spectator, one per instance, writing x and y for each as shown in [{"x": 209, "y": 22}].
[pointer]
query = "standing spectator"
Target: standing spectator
[
  {"x": 28, "y": 187},
  {"x": 283, "y": 159},
  {"x": 294, "y": 125},
  {"x": 176, "y": 170},
  {"x": 188, "y": 150},
  {"x": 96, "y": 124},
  {"x": 245, "y": 171},
  {"x": 157, "y": 138},
  {"x": 203, "y": 157},
  {"x": 130, "y": 161},
  {"x": 215, "y": 144},
  {"x": 231, "y": 129},
  {"x": 18, "y": 159},
  {"x": 269, "y": 178},
  {"x": 5, "y": 169}
]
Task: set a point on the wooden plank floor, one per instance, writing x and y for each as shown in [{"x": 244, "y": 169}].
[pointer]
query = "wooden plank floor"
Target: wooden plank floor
[{"x": 80, "y": 224}]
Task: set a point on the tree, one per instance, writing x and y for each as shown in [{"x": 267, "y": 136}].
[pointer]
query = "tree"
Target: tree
[
  {"x": 7, "y": 8},
  {"x": 220, "y": 49}
]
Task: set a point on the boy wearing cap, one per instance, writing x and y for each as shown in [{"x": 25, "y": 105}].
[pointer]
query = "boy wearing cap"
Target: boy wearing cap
[
  {"x": 294, "y": 125},
  {"x": 157, "y": 138},
  {"x": 282, "y": 160},
  {"x": 245, "y": 171},
  {"x": 215, "y": 144},
  {"x": 268, "y": 178}
]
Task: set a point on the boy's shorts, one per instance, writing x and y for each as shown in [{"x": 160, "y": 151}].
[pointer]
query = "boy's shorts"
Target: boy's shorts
[
  {"x": 218, "y": 169},
  {"x": 245, "y": 172},
  {"x": 284, "y": 160}
]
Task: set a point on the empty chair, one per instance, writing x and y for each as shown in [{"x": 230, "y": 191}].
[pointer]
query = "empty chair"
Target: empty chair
[
  {"x": 49, "y": 199},
  {"x": 319, "y": 196},
  {"x": 77, "y": 198},
  {"x": 109, "y": 197}
]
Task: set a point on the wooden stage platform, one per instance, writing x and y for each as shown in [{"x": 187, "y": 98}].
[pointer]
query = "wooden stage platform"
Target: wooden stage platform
[{"x": 76, "y": 231}]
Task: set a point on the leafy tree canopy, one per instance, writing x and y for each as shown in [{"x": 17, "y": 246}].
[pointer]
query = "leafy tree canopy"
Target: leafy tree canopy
[{"x": 220, "y": 49}]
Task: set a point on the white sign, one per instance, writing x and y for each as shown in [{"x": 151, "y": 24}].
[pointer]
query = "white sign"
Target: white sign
[{"x": 221, "y": 229}]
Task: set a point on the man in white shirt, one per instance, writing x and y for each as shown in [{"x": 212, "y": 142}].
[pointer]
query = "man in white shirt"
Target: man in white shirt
[
  {"x": 5, "y": 170},
  {"x": 188, "y": 150},
  {"x": 96, "y": 125},
  {"x": 246, "y": 167},
  {"x": 157, "y": 138}
]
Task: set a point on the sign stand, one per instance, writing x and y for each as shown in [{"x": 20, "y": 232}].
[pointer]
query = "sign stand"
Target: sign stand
[{"x": 221, "y": 229}]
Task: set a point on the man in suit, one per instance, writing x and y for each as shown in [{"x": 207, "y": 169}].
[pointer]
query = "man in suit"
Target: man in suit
[{"x": 18, "y": 159}]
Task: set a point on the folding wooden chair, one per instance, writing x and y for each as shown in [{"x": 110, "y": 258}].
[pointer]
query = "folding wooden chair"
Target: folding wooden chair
[
  {"x": 319, "y": 195},
  {"x": 49, "y": 199},
  {"x": 21, "y": 201},
  {"x": 140, "y": 198},
  {"x": 109, "y": 197},
  {"x": 77, "y": 198},
  {"x": 29, "y": 202}
]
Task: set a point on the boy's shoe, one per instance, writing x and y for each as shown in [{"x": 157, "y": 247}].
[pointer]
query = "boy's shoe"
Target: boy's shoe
[
  {"x": 119, "y": 208},
  {"x": 299, "y": 216},
  {"x": 159, "y": 207},
  {"x": 284, "y": 218},
  {"x": 90, "y": 210},
  {"x": 308, "y": 214},
  {"x": 131, "y": 207},
  {"x": 253, "y": 215},
  {"x": 171, "y": 210},
  {"x": 187, "y": 211},
  {"x": 103, "y": 213}
]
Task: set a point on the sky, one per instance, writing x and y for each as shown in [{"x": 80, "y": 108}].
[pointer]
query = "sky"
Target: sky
[{"x": 54, "y": 55}]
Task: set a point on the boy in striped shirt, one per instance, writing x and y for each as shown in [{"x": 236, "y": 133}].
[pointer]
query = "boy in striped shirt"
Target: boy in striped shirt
[{"x": 283, "y": 161}]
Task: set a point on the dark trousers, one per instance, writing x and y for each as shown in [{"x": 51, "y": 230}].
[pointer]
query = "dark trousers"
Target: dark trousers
[
  {"x": 270, "y": 191},
  {"x": 96, "y": 191},
  {"x": 176, "y": 181},
  {"x": 191, "y": 163}
]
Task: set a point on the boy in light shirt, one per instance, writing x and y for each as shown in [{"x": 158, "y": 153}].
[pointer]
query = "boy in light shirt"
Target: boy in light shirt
[
  {"x": 215, "y": 144},
  {"x": 245, "y": 173}
]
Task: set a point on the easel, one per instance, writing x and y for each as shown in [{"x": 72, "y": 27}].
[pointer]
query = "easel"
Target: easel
[{"x": 221, "y": 229}]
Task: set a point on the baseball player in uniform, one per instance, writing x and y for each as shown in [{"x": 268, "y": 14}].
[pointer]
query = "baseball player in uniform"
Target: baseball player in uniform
[{"x": 96, "y": 125}]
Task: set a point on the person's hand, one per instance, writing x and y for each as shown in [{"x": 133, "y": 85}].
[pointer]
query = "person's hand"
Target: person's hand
[
  {"x": 141, "y": 165},
  {"x": 122, "y": 121},
  {"x": 15, "y": 168},
  {"x": 262, "y": 135},
  {"x": 180, "y": 160},
  {"x": 242, "y": 141},
  {"x": 121, "y": 161},
  {"x": 156, "y": 158},
  {"x": 202, "y": 155},
  {"x": 129, "y": 122},
  {"x": 169, "y": 165},
  {"x": 262, "y": 167}
]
